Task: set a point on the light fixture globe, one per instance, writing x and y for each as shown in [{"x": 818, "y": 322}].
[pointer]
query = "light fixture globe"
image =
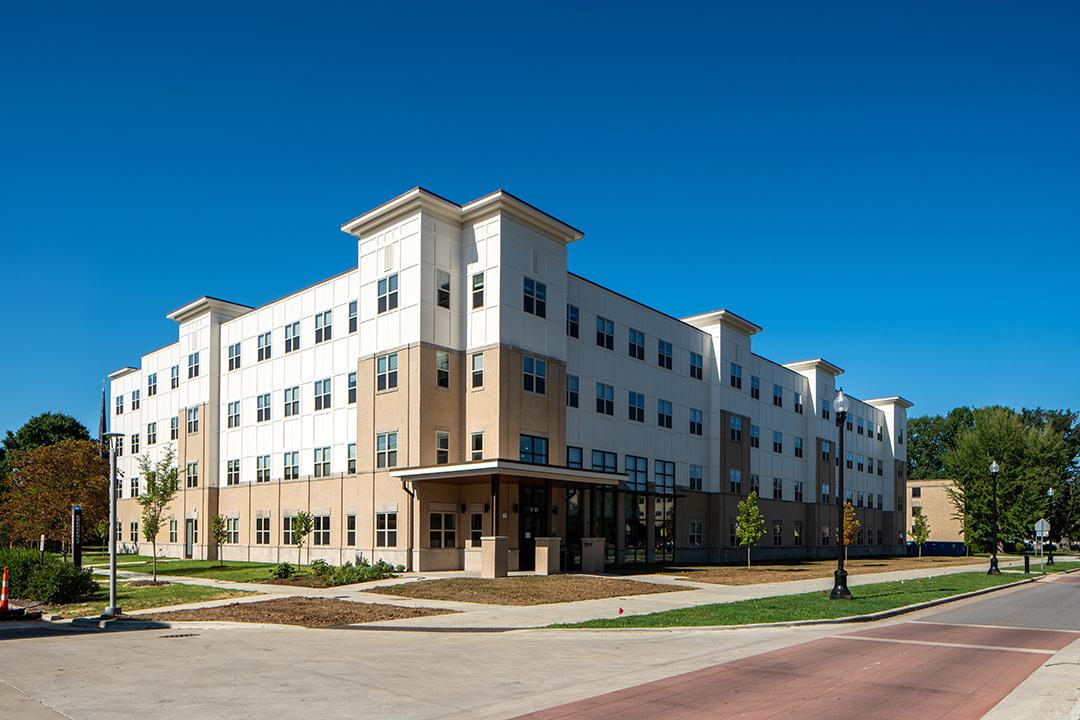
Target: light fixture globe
[
  {"x": 1050, "y": 492},
  {"x": 841, "y": 401},
  {"x": 994, "y": 467}
]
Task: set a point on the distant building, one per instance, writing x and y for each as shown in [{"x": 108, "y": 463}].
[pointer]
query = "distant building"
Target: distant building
[{"x": 933, "y": 497}]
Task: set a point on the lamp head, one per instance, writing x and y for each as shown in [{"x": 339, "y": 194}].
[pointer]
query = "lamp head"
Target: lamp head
[
  {"x": 1050, "y": 492},
  {"x": 841, "y": 401},
  {"x": 994, "y": 468}
]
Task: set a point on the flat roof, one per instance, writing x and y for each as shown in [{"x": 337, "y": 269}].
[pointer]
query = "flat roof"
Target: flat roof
[{"x": 472, "y": 472}]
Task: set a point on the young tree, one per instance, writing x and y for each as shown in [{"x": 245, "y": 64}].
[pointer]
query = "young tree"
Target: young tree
[
  {"x": 161, "y": 482},
  {"x": 220, "y": 529},
  {"x": 920, "y": 528},
  {"x": 851, "y": 528},
  {"x": 301, "y": 528},
  {"x": 750, "y": 525}
]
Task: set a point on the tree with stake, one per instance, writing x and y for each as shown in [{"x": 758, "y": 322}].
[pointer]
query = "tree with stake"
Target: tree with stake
[
  {"x": 220, "y": 530},
  {"x": 162, "y": 481},
  {"x": 750, "y": 525},
  {"x": 920, "y": 528},
  {"x": 301, "y": 528},
  {"x": 851, "y": 527}
]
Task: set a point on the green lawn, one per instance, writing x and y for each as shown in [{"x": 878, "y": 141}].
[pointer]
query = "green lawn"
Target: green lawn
[
  {"x": 232, "y": 571},
  {"x": 140, "y": 598},
  {"x": 98, "y": 558},
  {"x": 872, "y": 598}
]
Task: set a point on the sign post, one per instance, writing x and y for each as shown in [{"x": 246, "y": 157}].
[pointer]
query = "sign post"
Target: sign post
[
  {"x": 76, "y": 535},
  {"x": 1042, "y": 530}
]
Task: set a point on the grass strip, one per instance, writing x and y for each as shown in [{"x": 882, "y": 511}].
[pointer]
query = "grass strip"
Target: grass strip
[
  {"x": 141, "y": 598},
  {"x": 872, "y": 598},
  {"x": 211, "y": 569}
]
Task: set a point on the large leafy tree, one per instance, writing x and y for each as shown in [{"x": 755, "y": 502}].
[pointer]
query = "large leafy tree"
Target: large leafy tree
[
  {"x": 750, "y": 525},
  {"x": 161, "y": 481},
  {"x": 39, "y": 431},
  {"x": 930, "y": 438},
  {"x": 46, "y": 481}
]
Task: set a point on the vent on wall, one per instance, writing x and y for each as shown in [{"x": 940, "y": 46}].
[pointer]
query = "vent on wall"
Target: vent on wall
[
  {"x": 388, "y": 258},
  {"x": 536, "y": 262}
]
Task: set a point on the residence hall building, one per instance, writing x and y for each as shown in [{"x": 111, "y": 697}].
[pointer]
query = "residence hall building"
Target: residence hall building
[{"x": 460, "y": 382}]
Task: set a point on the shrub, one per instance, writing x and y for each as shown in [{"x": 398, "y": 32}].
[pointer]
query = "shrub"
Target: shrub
[
  {"x": 52, "y": 580},
  {"x": 399, "y": 568},
  {"x": 281, "y": 571},
  {"x": 321, "y": 568}
]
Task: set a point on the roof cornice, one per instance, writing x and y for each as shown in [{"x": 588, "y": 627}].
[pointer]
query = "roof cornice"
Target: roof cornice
[
  {"x": 818, "y": 364},
  {"x": 207, "y": 304},
  {"x": 723, "y": 317}
]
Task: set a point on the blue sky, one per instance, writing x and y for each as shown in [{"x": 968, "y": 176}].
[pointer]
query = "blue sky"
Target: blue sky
[{"x": 890, "y": 186}]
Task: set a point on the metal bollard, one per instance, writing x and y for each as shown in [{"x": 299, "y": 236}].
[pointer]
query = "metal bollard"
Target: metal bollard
[{"x": 1027, "y": 564}]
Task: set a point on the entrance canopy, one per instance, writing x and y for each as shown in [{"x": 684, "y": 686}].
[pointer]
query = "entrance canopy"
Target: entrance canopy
[{"x": 510, "y": 472}]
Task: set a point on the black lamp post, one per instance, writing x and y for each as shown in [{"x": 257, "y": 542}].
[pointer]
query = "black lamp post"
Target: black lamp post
[
  {"x": 994, "y": 469},
  {"x": 1050, "y": 533},
  {"x": 840, "y": 589}
]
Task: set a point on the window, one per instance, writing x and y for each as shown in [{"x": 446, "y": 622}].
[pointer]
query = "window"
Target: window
[
  {"x": 870, "y": 429},
  {"x": 291, "y": 468},
  {"x": 825, "y": 535},
  {"x": 605, "y": 333},
  {"x": 535, "y": 375},
  {"x": 476, "y": 446},
  {"x": 798, "y": 533},
  {"x": 234, "y": 356},
  {"x": 262, "y": 531},
  {"x": 798, "y": 447},
  {"x": 323, "y": 329},
  {"x": 825, "y": 494},
  {"x": 352, "y": 318},
  {"x": 696, "y": 425},
  {"x": 755, "y": 484},
  {"x": 575, "y": 457},
  {"x": 605, "y": 399},
  {"x": 798, "y": 491},
  {"x": 442, "y": 527},
  {"x": 286, "y": 531},
  {"x": 442, "y": 289},
  {"x": 533, "y": 450},
  {"x": 262, "y": 468},
  {"x": 825, "y": 452},
  {"x": 476, "y": 529},
  {"x": 352, "y": 388},
  {"x": 151, "y": 385},
  {"x": 233, "y": 417},
  {"x": 697, "y": 366},
  {"x": 193, "y": 365},
  {"x": 880, "y": 506},
  {"x": 663, "y": 414},
  {"x": 292, "y": 337},
  {"x": 695, "y": 531},
  {"x": 135, "y": 443},
  {"x": 637, "y": 468},
  {"x": 755, "y": 388},
  {"x": 320, "y": 534},
  {"x": 777, "y": 489},
  {"x": 322, "y": 462},
  {"x": 322, "y": 394},
  {"x": 262, "y": 407},
  {"x": 900, "y": 503},
  {"x": 120, "y": 404},
  {"x": 849, "y": 419},
  {"x": 134, "y": 487},
  {"x": 605, "y": 461},
  {"x": 386, "y": 372},
  {"x": 151, "y": 433},
  {"x": 798, "y": 403},
  {"x": 637, "y": 344},
  {"x": 535, "y": 298},
  {"x": 386, "y": 450},
  {"x": 860, "y": 463},
  {"x": 442, "y": 369},
  {"x": 478, "y": 370},
  {"x": 193, "y": 420},
  {"x": 734, "y": 527},
  {"x": 292, "y": 401},
  {"x": 777, "y": 396},
  {"x": 388, "y": 293},
  {"x": 860, "y": 499},
  {"x": 736, "y": 376},
  {"x": 571, "y": 391},
  {"x": 880, "y": 468},
  {"x": 134, "y": 531},
  {"x": 755, "y": 436},
  {"x": 572, "y": 316},
  {"x": 850, "y": 496},
  {"x": 860, "y": 425},
  {"x": 120, "y": 446},
  {"x": 850, "y": 463},
  {"x": 174, "y": 428},
  {"x": 825, "y": 409},
  {"x": 232, "y": 531},
  {"x": 478, "y": 290},
  {"x": 899, "y": 437},
  {"x": 264, "y": 354},
  {"x": 777, "y": 533},
  {"x": 777, "y": 442},
  {"x": 350, "y": 530},
  {"x": 442, "y": 447},
  {"x": 134, "y": 399},
  {"x": 664, "y": 475},
  {"x": 637, "y": 407},
  {"x": 232, "y": 472},
  {"x": 192, "y": 474},
  {"x": 174, "y": 377},
  {"x": 351, "y": 458},
  {"x": 663, "y": 354},
  {"x": 735, "y": 481},
  {"x": 386, "y": 529},
  {"x": 695, "y": 477},
  {"x": 879, "y": 433},
  {"x": 736, "y": 429}
]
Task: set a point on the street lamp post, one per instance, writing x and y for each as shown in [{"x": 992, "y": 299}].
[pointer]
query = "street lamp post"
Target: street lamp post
[
  {"x": 840, "y": 589},
  {"x": 112, "y": 611},
  {"x": 994, "y": 469},
  {"x": 1050, "y": 533}
]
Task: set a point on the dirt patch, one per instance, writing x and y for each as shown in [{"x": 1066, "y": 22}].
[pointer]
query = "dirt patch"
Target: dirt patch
[
  {"x": 147, "y": 583},
  {"x": 774, "y": 573},
  {"x": 526, "y": 590},
  {"x": 311, "y": 581},
  {"x": 307, "y": 612}
]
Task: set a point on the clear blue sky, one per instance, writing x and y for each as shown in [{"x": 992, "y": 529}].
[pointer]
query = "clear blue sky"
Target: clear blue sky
[{"x": 891, "y": 186}]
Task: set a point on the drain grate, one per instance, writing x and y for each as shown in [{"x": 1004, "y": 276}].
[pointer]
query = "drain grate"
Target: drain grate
[{"x": 180, "y": 635}]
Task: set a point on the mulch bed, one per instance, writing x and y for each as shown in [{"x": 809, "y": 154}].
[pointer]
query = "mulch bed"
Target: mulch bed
[{"x": 525, "y": 590}]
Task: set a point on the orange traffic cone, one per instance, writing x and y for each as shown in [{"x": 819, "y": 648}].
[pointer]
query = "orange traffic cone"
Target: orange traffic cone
[{"x": 3, "y": 595}]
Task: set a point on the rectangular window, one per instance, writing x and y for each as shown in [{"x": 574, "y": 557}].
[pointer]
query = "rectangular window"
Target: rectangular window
[
  {"x": 697, "y": 425},
  {"x": 135, "y": 443},
  {"x": 442, "y": 448},
  {"x": 388, "y": 293},
  {"x": 476, "y": 446},
  {"x": 292, "y": 337},
  {"x": 535, "y": 301},
  {"x": 860, "y": 502},
  {"x": 859, "y": 423},
  {"x": 736, "y": 376},
  {"x": 825, "y": 494},
  {"x": 572, "y": 317},
  {"x": 442, "y": 369},
  {"x": 478, "y": 370},
  {"x": 798, "y": 533},
  {"x": 174, "y": 428},
  {"x": 322, "y": 462},
  {"x": 322, "y": 394},
  {"x": 478, "y": 290},
  {"x": 120, "y": 404},
  {"x": 695, "y": 531},
  {"x": 850, "y": 461},
  {"x": 352, "y": 388},
  {"x": 900, "y": 503},
  {"x": 605, "y": 461},
  {"x": 798, "y": 491},
  {"x": 755, "y": 436},
  {"x": 535, "y": 375},
  {"x": 320, "y": 534},
  {"x": 192, "y": 474},
  {"x": 664, "y": 475},
  {"x": 870, "y": 429},
  {"x": 292, "y": 401},
  {"x": 134, "y": 531},
  {"x": 386, "y": 372},
  {"x": 697, "y": 366},
  {"x": 193, "y": 365},
  {"x": 825, "y": 409},
  {"x": 899, "y": 437},
  {"x": 174, "y": 377},
  {"x": 663, "y": 414},
  {"x": 777, "y": 442},
  {"x": 386, "y": 529},
  {"x": 533, "y": 450},
  {"x": 637, "y": 468},
  {"x": 605, "y": 399},
  {"x": 637, "y": 407},
  {"x": 443, "y": 528},
  {"x": 262, "y": 407},
  {"x": 798, "y": 447},
  {"x": 736, "y": 429},
  {"x": 575, "y": 458},
  {"x": 860, "y": 463},
  {"x": 755, "y": 484},
  {"x": 880, "y": 469},
  {"x": 826, "y": 452},
  {"x": 735, "y": 481},
  {"x": 172, "y": 530},
  {"x": 119, "y": 446},
  {"x": 262, "y": 531},
  {"x": 850, "y": 496},
  {"x": 234, "y": 356},
  {"x": 442, "y": 289},
  {"x": 755, "y": 388},
  {"x": 151, "y": 385},
  {"x": 880, "y": 505},
  {"x": 571, "y": 391},
  {"x": 291, "y": 467},
  {"x": 151, "y": 433},
  {"x": 637, "y": 344},
  {"x": 663, "y": 354},
  {"x": 232, "y": 472},
  {"x": 262, "y": 468},
  {"x": 386, "y": 450},
  {"x": 232, "y": 531},
  {"x": 695, "y": 477},
  {"x": 605, "y": 333},
  {"x": 849, "y": 423},
  {"x": 134, "y": 399},
  {"x": 135, "y": 487},
  {"x": 323, "y": 329},
  {"x": 476, "y": 529},
  {"x": 350, "y": 531},
  {"x": 777, "y": 489},
  {"x": 233, "y": 416},
  {"x": 286, "y": 530},
  {"x": 192, "y": 420},
  {"x": 777, "y": 533},
  {"x": 352, "y": 317},
  {"x": 264, "y": 354},
  {"x": 352, "y": 458},
  {"x": 825, "y": 535},
  {"x": 733, "y": 528},
  {"x": 798, "y": 403},
  {"x": 777, "y": 396}
]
